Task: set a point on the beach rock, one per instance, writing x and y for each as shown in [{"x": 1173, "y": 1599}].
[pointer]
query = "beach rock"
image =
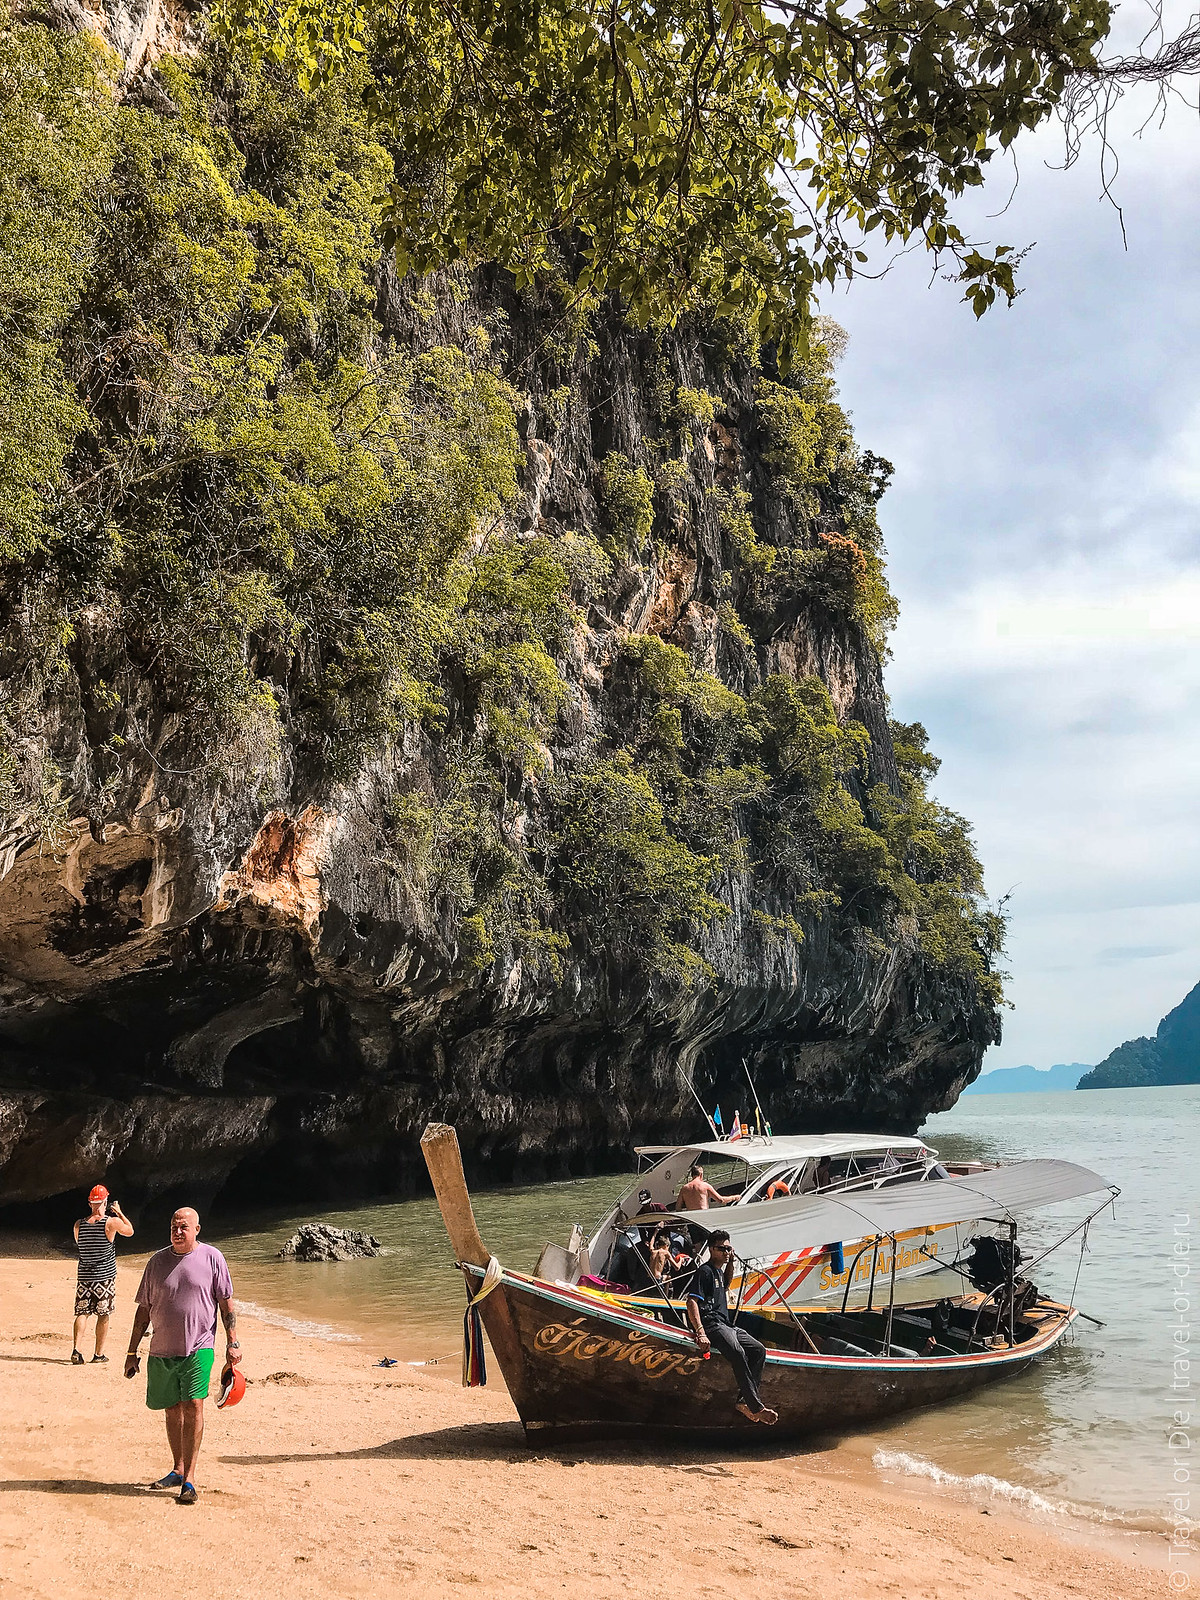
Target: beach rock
[{"x": 315, "y": 1241}]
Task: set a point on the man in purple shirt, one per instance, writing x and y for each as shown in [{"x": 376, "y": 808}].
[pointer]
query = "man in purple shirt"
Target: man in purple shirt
[{"x": 181, "y": 1291}]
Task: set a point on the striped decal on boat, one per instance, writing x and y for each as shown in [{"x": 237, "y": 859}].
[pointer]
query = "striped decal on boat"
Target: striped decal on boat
[{"x": 784, "y": 1275}]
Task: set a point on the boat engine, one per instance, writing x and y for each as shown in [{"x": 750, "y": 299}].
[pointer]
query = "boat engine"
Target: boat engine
[{"x": 992, "y": 1261}]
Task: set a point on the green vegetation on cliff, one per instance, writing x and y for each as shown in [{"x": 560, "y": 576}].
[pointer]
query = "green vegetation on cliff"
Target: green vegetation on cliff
[
  {"x": 1172, "y": 1056},
  {"x": 251, "y": 536},
  {"x": 232, "y": 479}
]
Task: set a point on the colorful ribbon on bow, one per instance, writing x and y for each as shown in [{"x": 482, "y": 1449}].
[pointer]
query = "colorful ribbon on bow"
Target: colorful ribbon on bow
[{"x": 474, "y": 1368}]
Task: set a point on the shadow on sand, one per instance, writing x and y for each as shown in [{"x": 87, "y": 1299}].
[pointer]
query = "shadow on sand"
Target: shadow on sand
[
  {"x": 504, "y": 1441},
  {"x": 50, "y": 1361},
  {"x": 78, "y": 1486},
  {"x": 475, "y": 1441}
]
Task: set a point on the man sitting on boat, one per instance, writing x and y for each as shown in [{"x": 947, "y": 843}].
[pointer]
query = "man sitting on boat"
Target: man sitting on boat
[
  {"x": 696, "y": 1195},
  {"x": 710, "y": 1322}
]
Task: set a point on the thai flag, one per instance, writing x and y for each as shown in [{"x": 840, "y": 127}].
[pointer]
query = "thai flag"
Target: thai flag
[{"x": 736, "y": 1131}]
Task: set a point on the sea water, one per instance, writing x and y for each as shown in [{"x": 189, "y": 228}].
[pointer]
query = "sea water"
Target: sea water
[
  {"x": 1091, "y": 1426},
  {"x": 1086, "y": 1430}
]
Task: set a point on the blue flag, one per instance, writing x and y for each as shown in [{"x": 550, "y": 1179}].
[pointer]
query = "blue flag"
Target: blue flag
[{"x": 717, "y": 1118}]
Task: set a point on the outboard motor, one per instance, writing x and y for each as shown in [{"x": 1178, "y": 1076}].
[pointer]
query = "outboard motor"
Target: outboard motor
[{"x": 993, "y": 1261}]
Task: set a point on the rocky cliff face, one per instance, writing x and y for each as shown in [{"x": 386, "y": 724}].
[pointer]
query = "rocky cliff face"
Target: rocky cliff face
[{"x": 203, "y": 993}]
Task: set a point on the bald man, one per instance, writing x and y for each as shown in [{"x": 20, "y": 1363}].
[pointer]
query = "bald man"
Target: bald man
[{"x": 181, "y": 1291}]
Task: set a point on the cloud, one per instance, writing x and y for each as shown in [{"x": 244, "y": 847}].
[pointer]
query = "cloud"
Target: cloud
[
  {"x": 1120, "y": 954},
  {"x": 1061, "y": 717},
  {"x": 1042, "y": 535}
]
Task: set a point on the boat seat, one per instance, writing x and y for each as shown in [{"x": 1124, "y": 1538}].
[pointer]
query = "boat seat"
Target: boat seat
[
  {"x": 842, "y": 1347},
  {"x": 912, "y": 1324}
]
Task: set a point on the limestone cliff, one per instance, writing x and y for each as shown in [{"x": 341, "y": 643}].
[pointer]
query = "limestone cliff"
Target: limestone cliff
[{"x": 211, "y": 987}]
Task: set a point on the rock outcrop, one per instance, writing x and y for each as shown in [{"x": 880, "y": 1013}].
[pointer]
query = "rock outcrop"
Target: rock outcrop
[
  {"x": 138, "y": 31},
  {"x": 316, "y": 1241},
  {"x": 200, "y": 994}
]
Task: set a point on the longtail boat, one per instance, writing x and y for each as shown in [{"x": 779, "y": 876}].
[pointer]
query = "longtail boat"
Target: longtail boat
[{"x": 581, "y": 1364}]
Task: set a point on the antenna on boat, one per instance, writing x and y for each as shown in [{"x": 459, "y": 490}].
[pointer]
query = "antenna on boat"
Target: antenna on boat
[
  {"x": 754, "y": 1092},
  {"x": 700, "y": 1103}
]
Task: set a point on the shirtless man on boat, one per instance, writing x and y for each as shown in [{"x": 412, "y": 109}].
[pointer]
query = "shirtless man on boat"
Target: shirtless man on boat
[{"x": 696, "y": 1195}]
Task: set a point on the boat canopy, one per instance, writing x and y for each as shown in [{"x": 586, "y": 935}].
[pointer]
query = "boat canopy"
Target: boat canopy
[
  {"x": 775, "y": 1228},
  {"x": 759, "y": 1151}
]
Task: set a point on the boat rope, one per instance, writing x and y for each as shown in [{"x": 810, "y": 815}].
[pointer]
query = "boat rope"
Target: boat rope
[
  {"x": 1079, "y": 1263},
  {"x": 474, "y": 1367}
]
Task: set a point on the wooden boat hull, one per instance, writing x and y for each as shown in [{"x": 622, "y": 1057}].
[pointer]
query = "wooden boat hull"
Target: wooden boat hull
[{"x": 577, "y": 1367}]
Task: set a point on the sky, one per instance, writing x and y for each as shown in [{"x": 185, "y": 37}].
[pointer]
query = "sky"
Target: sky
[{"x": 1042, "y": 531}]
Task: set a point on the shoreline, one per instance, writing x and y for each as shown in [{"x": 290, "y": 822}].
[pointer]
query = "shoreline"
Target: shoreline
[{"x": 337, "y": 1477}]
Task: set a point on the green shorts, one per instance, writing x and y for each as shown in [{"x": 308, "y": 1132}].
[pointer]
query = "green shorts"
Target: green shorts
[{"x": 173, "y": 1379}]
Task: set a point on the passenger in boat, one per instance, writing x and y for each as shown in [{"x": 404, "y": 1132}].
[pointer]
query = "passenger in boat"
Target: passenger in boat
[
  {"x": 663, "y": 1265},
  {"x": 696, "y": 1195},
  {"x": 628, "y": 1263},
  {"x": 681, "y": 1264},
  {"x": 711, "y": 1325},
  {"x": 824, "y": 1175},
  {"x": 642, "y": 1261},
  {"x": 660, "y": 1253}
]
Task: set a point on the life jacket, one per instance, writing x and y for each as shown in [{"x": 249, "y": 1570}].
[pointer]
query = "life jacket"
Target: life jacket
[{"x": 774, "y": 1190}]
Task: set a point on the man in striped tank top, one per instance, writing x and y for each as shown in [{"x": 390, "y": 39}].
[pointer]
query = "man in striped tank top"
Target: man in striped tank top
[{"x": 96, "y": 1283}]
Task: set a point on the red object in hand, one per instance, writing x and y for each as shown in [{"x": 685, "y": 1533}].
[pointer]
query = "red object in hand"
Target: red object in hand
[{"x": 233, "y": 1387}]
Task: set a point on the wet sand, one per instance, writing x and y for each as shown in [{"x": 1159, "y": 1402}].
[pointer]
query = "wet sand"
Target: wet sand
[{"x": 337, "y": 1478}]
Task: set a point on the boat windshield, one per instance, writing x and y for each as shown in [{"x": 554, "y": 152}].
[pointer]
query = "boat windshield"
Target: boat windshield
[
  {"x": 729, "y": 1178},
  {"x": 865, "y": 1169}
]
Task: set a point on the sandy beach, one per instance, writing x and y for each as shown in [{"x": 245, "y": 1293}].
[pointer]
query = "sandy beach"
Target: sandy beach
[{"x": 334, "y": 1477}]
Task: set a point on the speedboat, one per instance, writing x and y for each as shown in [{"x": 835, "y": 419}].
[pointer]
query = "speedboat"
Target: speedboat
[{"x": 759, "y": 1170}]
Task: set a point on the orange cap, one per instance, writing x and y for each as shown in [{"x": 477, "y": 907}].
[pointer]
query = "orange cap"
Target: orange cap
[{"x": 98, "y": 1193}]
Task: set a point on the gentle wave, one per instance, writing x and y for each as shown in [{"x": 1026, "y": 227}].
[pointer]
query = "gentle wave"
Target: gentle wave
[
  {"x": 983, "y": 1483},
  {"x": 302, "y": 1329}
]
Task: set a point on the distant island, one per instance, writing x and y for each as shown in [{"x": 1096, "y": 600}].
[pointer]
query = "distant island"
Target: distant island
[
  {"x": 1026, "y": 1080},
  {"x": 1172, "y": 1056}
]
